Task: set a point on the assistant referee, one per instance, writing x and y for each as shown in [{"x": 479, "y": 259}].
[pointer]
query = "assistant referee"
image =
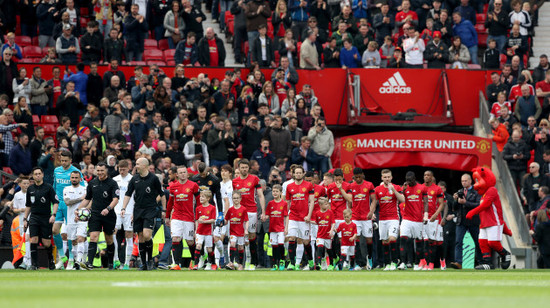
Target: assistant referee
[
  {"x": 104, "y": 192},
  {"x": 40, "y": 198},
  {"x": 147, "y": 188}
]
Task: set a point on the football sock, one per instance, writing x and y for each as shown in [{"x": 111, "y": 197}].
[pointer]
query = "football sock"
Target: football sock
[
  {"x": 369, "y": 250},
  {"x": 441, "y": 251},
  {"x": 73, "y": 251},
  {"x": 34, "y": 254},
  {"x": 343, "y": 258},
  {"x": 497, "y": 246},
  {"x": 253, "y": 251},
  {"x": 281, "y": 253},
  {"x": 211, "y": 258},
  {"x": 360, "y": 258},
  {"x": 218, "y": 251},
  {"x": 129, "y": 249},
  {"x": 308, "y": 254},
  {"x": 419, "y": 251},
  {"x": 92, "y": 249},
  {"x": 426, "y": 250},
  {"x": 50, "y": 253},
  {"x": 410, "y": 251},
  {"x": 275, "y": 255},
  {"x": 110, "y": 254},
  {"x": 119, "y": 239},
  {"x": 292, "y": 252},
  {"x": 27, "y": 257},
  {"x": 394, "y": 252},
  {"x": 299, "y": 253},
  {"x": 320, "y": 254},
  {"x": 403, "y": 248},
  {"x": 192, "y": 250},
  {"x": 241, "y": 256},
  {"x": 351, "y": 261},
  {"x": 313, "y": 249},
  {"x": 115, "y": 241},
  {"x": 233, "y": 254},
  {"x": 149, "y": 249},
  {"x": 336, "y": 246},
  {"x": 386, "y": 248},
  {"x": 331, "y": 256},
  {"x": 431, "y": 252},
  {"x": 177, "y": 250},
  {"x": 58, "y": 240},
  {"x": 247, "y": 253},
  {"x": 65, "y": 248},
  {"x": 143, "y": 254},
  {"x": 80, "y": 248},
  {"x": 198, "y": 256}
]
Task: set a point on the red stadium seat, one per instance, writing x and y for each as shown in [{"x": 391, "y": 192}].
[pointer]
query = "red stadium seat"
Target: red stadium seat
[
  {"x": 171, "y": 62},
  {"x": 163, "y": 44},
  {"x": 150, "y": 43},
  {"x": 169, "y": 54},
  {"x": 35, "y": 120},
  {"x": 45, "y": 51},
  {"x": 480, "y": 18},
  {"x": 83, "y": 22},
  {"x": 474, "y": 66},
  {"x": 50, "y": 129},
  {"x": 228, "y": 16},
  {"x": 230, "y": 25},
  {"x": 50, "y": 119},
  {"x": 270, "y": 29},
  {"x": 84, "y": 11},
  {"x": 278, "y": 57},
  {"x": 35, "y": 41},
  {"x": 153, "y": 54},
  {"x": 7, "y": 170},
  {"x": 482, "y": 39},
  {"x": 246, "y": 48},
  {"x": 23, "y": 41},
  {"x": 142, "y": 63},
  {"x": 157, "y": 62},
  {"x": 480, "y": 28},
  {"x": 32, "y": 52}
]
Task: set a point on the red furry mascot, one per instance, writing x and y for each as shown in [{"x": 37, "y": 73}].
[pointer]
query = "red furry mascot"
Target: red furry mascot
[{"x": 492, "y": 223}]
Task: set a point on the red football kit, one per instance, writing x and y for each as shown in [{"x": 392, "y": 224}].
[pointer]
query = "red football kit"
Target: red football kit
[
  {"x": 324, "y": 220},
  {"x": 361, "y": 199},
  {"x": 388, "y": 202},
  {"x": 433, "y": 192},
  {"x": 347, "y": 231},
  {"x": 247, "y": 187},
  {"x": 181, "y": 200},
  {"x": 277, "y": 211},
  {"x": 400, "y": 16},
  {"x": 299, "y": 199},
  {"x": 492, "y": 215},
  {"x": 414, "y": 203},
  {"x": 236, "y": 218},
  {"x": 205, "y": 213},
  {"x": 318, "y": 191},
  {"x": 337, "y": 202}
]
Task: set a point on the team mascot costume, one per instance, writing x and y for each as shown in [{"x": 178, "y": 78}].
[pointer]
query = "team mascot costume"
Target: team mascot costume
[{"x": 492, "y": 223}]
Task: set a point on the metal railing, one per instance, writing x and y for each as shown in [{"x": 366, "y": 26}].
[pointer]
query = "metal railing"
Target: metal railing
[{"x": 7, "y": 176}]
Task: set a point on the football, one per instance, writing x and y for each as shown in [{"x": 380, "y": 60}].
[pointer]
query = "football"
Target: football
[{"x": 84, "y": 214}]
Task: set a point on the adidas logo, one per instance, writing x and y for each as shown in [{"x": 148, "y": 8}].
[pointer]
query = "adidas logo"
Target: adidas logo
[{"x": 395, "y": 85}]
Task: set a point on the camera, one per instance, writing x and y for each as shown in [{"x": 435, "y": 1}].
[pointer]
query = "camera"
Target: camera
[{"x": 460, "y": 194}]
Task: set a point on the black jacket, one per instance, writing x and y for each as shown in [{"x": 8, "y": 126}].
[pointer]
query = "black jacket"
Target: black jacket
[
  {"x": 191, "y": 23},
  {"x": 542, "y": 236},
  {"x": 204, "y": 52},
  {"x": 500, "y": 26},
  {"x": 431, "y": 50},
  {"x": 135, "y": 33},
  {"x": 531, "y": 187},
  {"x": 95, "y": 41},
  {"x": 179, "y": 56},
  {"x": 383, "y": 29},
  {"x": 256, "y": 51},
  {"x": 6, "y": 83},
  {"x": 512, "y": 148},
  {"x": 94, "y": 89},
  {"x": 539, "y": 73},
  {"x": 328, "y": 59},
  {"x": 69, "y": 106},
  {"x": 113, "y": 49},
  {"x": 461, "y": 210},
  {"x": 491, "y": 59}
]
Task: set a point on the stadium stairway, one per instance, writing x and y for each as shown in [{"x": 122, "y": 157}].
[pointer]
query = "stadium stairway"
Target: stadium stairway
[
  {"x": 541, "y": 40},
  {"x": 229, "y": 54},
  {"x": 520, "y": 244}
]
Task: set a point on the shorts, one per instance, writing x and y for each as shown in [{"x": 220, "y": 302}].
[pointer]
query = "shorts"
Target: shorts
[
  {"x": 276, "y": 238},
  {"x": 349, "y": 250},
  {"x": 411, "y": 229},
  {"x": 144, "y": 219},
  {"x": 430, "y": 230},
  {"x": 364, "y": 228},
  {"x": 439, "y": 234},
  {"x": 388, "y": 228},
  {"x": 124, "y": 222},
  {"x": 61, "y": 214},
  {"x": 99, "y": 223},
  {"x": 40, "y": 226},
  {"x": 327, "y": 243},
  {"x": 63, "y": 229},
  {"x": 299, "y": 229},
  {"x": 493, "y": 233},
  {"x": 75, "y": 230},
  {"x": 204, "y": 239},
  {"x": 183, "y": 229},
  {"x": 237, "y": 240},
  {"x": 252, "y": 222},
  {"x": 313, "y": 229},
  {"x": 220, "y": 231}
]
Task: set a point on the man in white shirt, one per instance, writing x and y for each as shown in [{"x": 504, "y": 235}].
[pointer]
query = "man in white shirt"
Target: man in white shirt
[
  {"x": 76, "y": 229},
  {"x": 414, "y": 48},
  {"x": 124, "y": 223}
]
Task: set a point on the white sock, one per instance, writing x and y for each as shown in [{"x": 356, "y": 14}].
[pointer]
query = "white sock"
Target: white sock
[
  {"x": 247, "y": 254},
  {"x": 74, "y": 250},
  {"x": 129, "y": 249},
  {"x": 116, "y": 247},
  {"x": 218, "y": 251},
  {"x": 299, "y": 254},
  {"x": 64, "y": 248},
  {"x": 80, "y": 249},
  {"x": 27, "y": 257},
  {"x": 313, "y": 248}
]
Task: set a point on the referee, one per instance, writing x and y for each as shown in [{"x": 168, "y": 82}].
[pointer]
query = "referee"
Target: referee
[
  {"x": 40, "y": 197},
  {"x": 147, "y": 188},
  {"x": 104, "y": 192}
]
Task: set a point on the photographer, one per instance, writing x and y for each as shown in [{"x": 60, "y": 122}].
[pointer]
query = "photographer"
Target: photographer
[
  {"x": 466, "y": 199},
  {"x": 265, "y": 158}
]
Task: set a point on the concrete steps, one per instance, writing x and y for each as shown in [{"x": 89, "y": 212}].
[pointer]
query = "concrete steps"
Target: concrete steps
[
  {"x": 229, "y": 54},
  {"x": 541, "y": 41}
]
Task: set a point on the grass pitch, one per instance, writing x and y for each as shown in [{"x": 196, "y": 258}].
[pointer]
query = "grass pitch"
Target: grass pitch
[{"x": 99, "y": 288}]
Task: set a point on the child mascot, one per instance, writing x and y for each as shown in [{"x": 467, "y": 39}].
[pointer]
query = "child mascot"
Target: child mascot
[{"x": 492, "y": 223}]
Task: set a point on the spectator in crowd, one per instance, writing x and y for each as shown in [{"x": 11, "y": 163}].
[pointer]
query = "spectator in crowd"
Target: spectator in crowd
[
  {"x": 74, "y": 16},
  {"x": 516, "y": 153},
  {"x": 414, "y": 49},
  {"x": 111, "y": 92},
  {"x": 363, "y": 38},
  {"x": 296, "y": 132},
  {"x": 80, "y": 80},
  {"x": 22, "y": 114},
  {"x": 331, "y": 55},
  {"x": 520, "y": 17},
  {"x": 67, "y": 46},
  {"x": 20, "y": 157},
  {"x": 174, "y": 25},
  {"x": 291, "y": 75},
  {"x": 466, "y": 199},
  {"x": 321, "y": 11},
  {"x": 299, "y": 13},
  {"x": 270, "y": 98},
  {"x": 499, "y": 104},
  {"x": 444, "y": 26},
  {"x": 346, "y": 16},
  {"x": 193, "y": 17},
  {"x": 21, "y": 85},
  {"x": 499, "y": 133},
  {"x": 527, "y": 105},
  {"x": 46, "y": 13},
  {"x": 539, "y": 73},
  {"x": 497, "y": 23},
  {"x": 349, "y": 55},
  {"x": 532, "y": 182},
  {"x": 257, "y": 12},
  {"x": 69, "y": 103},
  {"x": 491, "y": 56},
  {"x": 321, "y": 36},
  {"x": 371, "y": 56},
  {"x": 10, "y": 44},
  {"x": 217, "y": 140},
  {"x": 305, "y": 156},
  {"x": 104, "y": 15},
  {"x": 466, "y": 11},
  {"x": 262, "y": 49},
  {"x": 397, "y": 60},
  {"x": 27, "y": 10},
  {"x": 8, "y": 71},
  {"x": 37, "y": 145},
  {"x": 58, "y": 28},
  {"x": 7, "y": 138},
  {"x": 405, "y": 17},
  {"x": 322, "y": 142},
  {"x": 383, "y": 23},
  {"x": 309, "y": 57},
  {"x": 196, "y": 148},
  {"x": 50, "y": 57},
  {"x": 436, "y": 52},
  {"x": 516, "y": 44},
  {"x": 459, "y": 56},
  {"x": 280, "y": 138},
  {"x": 281, "y": 19},
  {"x": 541, "y": 234},
  {"x": 40, "y": 90},
  {"x": 341, "y": 34},
  {"x": 265, "y": 158},
  {"x": 280, "y": 87},
  {"x": 94, "y": 85},
  {"x": 464, "y": 29},
  {"x": 543, "y": 93},
  {"x": 211, "y": 50},
  {"x": 112, "y": 122},
  {"x": 135, "y": 27},
  {"x": 495, "y": 88},
  {"x": 239, "y": 31},
  {"x": 540, "y": 142},
  {"x": 187, "y": 52},
  {"x": 113, "y": 47}
]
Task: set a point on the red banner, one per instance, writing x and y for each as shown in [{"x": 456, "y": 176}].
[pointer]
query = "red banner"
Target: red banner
[{"x": 405, "y": 148}]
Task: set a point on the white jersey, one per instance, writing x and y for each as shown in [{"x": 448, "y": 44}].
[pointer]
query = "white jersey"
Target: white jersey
[
  {"x": 19, "y": 202},
  {"x": 226, "y": 191},
  {"x": 285, "y": 184},
  {"x": 70, "y": 192},
  {"x": 123, "y": 186}
]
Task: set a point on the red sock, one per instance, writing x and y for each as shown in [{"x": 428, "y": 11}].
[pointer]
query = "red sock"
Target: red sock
[
  {"x": 496, "y": 246},
  {"x": 485, "y": 248}
]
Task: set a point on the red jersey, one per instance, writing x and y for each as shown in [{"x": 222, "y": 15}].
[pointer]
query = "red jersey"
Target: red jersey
[
  {"x": 545, "y": 87},
  {"x": 515, "y": 92},
  {"x": 192, "y": 172},
  {"x": 495, "y": 109},
  {"x": 205, "y": 213},
  {"x": 236, "y": 218},
  {"x": 299, "y": 199},
  {"x": 433, "y": 192},
  {"x": 324, "y": 220},
  {"x": 414, "y": 203},
  {"x": 318, "y": 191},
  {"x": 280, "y": 88},
  {"x": 337, "y": 202},
  {"x": 361, "y": 199},
  {"x": 247, "y": 187},
  {"x": 399, "y": 17},
  {"x": 181, "y": 200},
  {"x": 213, "y": 51},
  {"x": 388, "y": 202},
  {"x": 347, "y": 231},
  {"x": 277, "y": 211},
  {"x": 492, "y": 215}
]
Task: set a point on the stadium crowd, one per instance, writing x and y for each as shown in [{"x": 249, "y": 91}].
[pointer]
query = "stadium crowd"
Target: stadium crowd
[{"x": 206, "y": 124}]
